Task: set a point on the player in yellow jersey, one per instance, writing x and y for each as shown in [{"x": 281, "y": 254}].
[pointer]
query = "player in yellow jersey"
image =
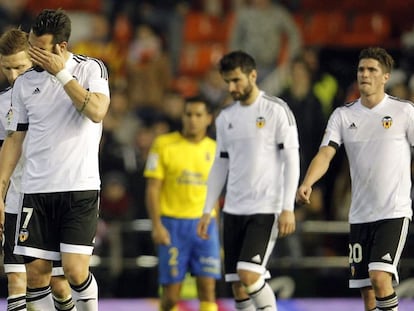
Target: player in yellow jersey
[{"x": 177, "y": 170}]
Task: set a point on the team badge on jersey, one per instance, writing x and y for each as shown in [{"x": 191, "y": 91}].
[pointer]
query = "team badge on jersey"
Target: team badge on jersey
[
  {"x": 260, "y": 122},
  {"x": 386, "y": 122},
  {"x": 23, "y": 235}
]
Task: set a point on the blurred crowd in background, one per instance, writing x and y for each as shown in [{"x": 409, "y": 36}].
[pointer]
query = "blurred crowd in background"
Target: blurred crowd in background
[{"x": 159, "y": 52}]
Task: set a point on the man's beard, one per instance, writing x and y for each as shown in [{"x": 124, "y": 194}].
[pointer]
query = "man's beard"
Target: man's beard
[{"x": 244, "y": 95}]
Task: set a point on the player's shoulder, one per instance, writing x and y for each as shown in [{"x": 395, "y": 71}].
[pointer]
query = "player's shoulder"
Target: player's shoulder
[
  {"x": 209, "y": 141},
  {"x": 348, "y": 104},
  {"x": 400, "y": 101},
  {"x": 87, "y": 60},
  {"x": 168, "y": 138},
  {"x": 273, "y": 100},
  {"x": 5, "y": 91}
]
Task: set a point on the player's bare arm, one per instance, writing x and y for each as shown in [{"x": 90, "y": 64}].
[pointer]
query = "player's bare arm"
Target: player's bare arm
[
  {"x": 202, "y": 226},
  {"x": 318, "y": 167},
  {"x": 160, "y": 234}
]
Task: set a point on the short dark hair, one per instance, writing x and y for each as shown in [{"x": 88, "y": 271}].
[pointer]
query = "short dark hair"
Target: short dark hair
[
  {"x": 53, "y": 22},
  {"x": 237, "y": 59},
  {"x": 381, "y": 55},
  {"x": 13, "y": 41},
  {"x": 200, "y": 99}
]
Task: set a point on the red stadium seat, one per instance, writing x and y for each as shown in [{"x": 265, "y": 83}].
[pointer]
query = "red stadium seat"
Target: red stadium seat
[
  {"x": 367, "y": 29},
  {"x": 196, "y": 59}
]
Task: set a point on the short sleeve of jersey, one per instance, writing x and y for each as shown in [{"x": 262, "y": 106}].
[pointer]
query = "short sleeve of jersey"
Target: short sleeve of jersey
[
  {"x": 17, "y": 114},
  {"x": 97, "y": 81},
  {"x": 333, "y": 130},
  {"x": 154, "y": 167},
  {"x": 287, "y": 132}
]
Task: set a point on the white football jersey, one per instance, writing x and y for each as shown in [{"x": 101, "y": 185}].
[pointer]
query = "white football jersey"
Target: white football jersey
[
  {"x": 61, "y": 144},
  {"x": 251, "y": 137},
  {"x": 13, "y": 192},
  {"x": 378, "y": 144}
]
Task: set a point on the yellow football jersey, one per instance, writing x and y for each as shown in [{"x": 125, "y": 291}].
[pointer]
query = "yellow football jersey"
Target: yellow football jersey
[{"x": 184, "y": 167}]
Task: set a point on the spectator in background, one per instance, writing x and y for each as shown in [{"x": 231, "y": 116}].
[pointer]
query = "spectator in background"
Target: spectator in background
[
  {"x": 15, "y": 14},
  {"x": 310, "y": 122},
  {"x": 213, "y": 87},
  {"x": 173, "y": 107},
  {"x": 148, "y": 69},
  {"x": 100, "y": 45},
  {"x": 260, "y": 29},
  {"x": 324, "y": 85},
  {"x": 177, "y": 170}
]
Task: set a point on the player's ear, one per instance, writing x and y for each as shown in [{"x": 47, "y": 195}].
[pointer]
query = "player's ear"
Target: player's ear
[{"x": 61, "y": 47}]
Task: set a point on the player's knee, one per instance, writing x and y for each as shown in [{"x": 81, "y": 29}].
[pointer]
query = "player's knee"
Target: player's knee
[
  {"x": 60, "y": 287},
  {"x": 248, "y": 278},
  {"x": 76, "y": 274},
  {"x": 16, "y": 283},
  {"x": 379, "y": 279}
]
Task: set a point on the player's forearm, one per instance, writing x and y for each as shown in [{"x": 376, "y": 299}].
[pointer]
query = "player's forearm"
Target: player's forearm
[
  {"x": 152, "y": 198},
  {"x": 92, "y": 105},
  {"x": 215, "y": 184},
  {"x": 317, "y": 168}
]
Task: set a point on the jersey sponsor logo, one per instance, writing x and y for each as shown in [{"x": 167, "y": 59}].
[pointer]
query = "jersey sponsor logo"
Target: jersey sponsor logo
[
  {"x": 386, "y": 122},
  {"x": 352, "y": 126},
  {"x": 191, "y": 178},
  {"x": 387, "y": 257},
  {"x": 257, "y": 259},
  {"x": 23, "y": 235},
  {"x": 260, "y": 122}
]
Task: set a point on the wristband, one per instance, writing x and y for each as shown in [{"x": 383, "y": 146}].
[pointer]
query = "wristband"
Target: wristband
[{"x": 64, "y": 76}]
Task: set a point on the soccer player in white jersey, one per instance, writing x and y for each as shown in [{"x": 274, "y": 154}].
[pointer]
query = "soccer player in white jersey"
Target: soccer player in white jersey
[
  {"x": 377, "y": 131},
  {"x": 58, "y": 107},
  {"x": 258, "y": 155},
  {"x": 14, "y": 60}
]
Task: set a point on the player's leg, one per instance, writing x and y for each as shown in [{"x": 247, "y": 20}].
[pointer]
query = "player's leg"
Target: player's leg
[
  {"x": 13, "y": 267},
  {"x": 61, "y": 291},
  {"x": 390, "y": 237},
  {"x": 38, "y": 293},
  {"x": 78, "y": 229},
  {"x": 173, "y": 261},
  {"x": 81, "y": 280},
  {"x": 232, "y": 244},
  {"x": 259, "y": 239},
  {"x": 205, "y": 264},
  {"x": 36, "y": 247},
  {"x": 170, "y": 296},
  {"x": 368, "y": 297},
  {"x": 359, "y": 249}
]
